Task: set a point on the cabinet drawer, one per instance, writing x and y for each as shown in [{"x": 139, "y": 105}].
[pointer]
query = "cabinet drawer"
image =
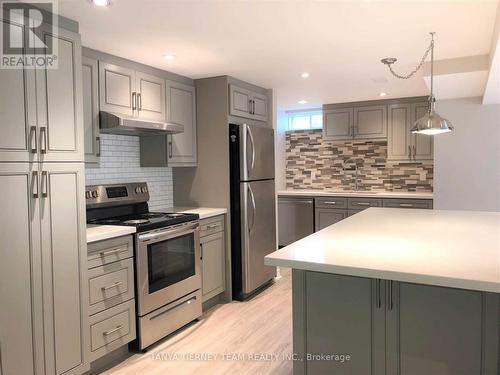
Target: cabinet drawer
[
  {"x": 362, "y": 203},
  {"x": 331, "y": 202},
  {"x": 112, "y": 328},
  {"x": 108, "y": 251},
  {"x": 110, "y": 285},
  {"x": 408, "y": 203},
  {"x": 211, "y": 225}
]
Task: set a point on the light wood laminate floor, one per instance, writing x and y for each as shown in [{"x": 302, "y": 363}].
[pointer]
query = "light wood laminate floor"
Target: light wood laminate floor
[{"x": 253, "y": 337}]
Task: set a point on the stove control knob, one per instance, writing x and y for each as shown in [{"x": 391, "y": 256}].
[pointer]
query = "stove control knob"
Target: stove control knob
[
  {"x": 144, "y": 189},
  {"x": 138, "y": 190},
  {"x": 95, "y": 194},
  {"x": 87, "y": 194}
]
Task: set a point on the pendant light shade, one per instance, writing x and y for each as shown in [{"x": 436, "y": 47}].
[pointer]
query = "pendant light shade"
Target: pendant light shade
[{"x": 431, "y": 123}]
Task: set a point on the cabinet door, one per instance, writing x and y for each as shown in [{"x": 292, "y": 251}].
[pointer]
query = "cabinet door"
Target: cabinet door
[
  {"x": 338, "y": 124},
  {"x": 441, "y": 331},
  {"x": 259, "y": 107},
  {"x": 181, "y": 109},
  {"x": 59, "y": 100},
  {"x": 398, "y": 132},
  {"x": 17, "y": 111},
  {"x": 213, "y": 265},
  {"x": 344, "y": 315},
  {"x": 423, "y": 144},
  {"x": 90, "y": 74},
  {"x": 20, "y": 315},
  {"x": 64, "y": 254},
  {"x": 116, "y": 85},
  {"x": 370, "y": 122},
  {"x": 150, "y": 96},
  {"x": 239, "y": 101},
  {"x": 325, "y": 217}
]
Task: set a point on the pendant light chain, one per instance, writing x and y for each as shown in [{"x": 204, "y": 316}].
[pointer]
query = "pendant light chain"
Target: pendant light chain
[{"x": 422, "y": 61}]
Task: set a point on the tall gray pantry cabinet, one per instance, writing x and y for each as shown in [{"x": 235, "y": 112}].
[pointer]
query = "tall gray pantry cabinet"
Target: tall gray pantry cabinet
[{"x": 43, "y": 317}]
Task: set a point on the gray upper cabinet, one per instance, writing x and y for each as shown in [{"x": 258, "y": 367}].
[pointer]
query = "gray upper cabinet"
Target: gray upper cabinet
[
  {"x": 90, "y": 84},
  {"x": 402, "y": 145},
  {"x": 248, "y": 104},
  {"x": 59, "y": 101},
  {"x": 441, "y": 331},
  {"x": 338, "y": 124},
  {"x": 347, "y": 123},
  {"x": 117, "y": 89},
  {"x": 131, "y": 93},
  {"x": 150, "y": 96},
  {"x": 181, "y": 109},
  {"x": 370, "y": 122},
  {"x": 41, "y": 111}
]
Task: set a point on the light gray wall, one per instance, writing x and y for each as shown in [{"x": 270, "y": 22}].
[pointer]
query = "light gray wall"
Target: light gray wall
[
  {"x": 120, "y": 163},
  {"x": 467, "y": 161}
]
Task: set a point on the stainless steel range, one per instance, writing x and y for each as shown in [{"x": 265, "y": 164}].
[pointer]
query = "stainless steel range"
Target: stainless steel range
[{"x": 167, "y": 257}]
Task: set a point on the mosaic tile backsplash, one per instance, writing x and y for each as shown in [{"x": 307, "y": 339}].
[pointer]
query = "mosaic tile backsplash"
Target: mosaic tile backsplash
[{"x": 312, "y": 163}]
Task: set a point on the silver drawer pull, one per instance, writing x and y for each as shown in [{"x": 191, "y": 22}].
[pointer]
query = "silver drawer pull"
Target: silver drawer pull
[
  {"x": 213, "y": 226},
  {"x": 405, "y": 205},
  {"x": 107, "y": 333},
  {"x": 363, "y": 203},
  {"x": 330, "y": 202},
  {"x": 114, "y": 251},
  {"x": 115, "y": 285}
]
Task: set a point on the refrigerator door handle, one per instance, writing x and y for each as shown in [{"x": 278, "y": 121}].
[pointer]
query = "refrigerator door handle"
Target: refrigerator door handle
[
  {"x": 250, "y": 136},
  {"x": 254, "y": 209}
]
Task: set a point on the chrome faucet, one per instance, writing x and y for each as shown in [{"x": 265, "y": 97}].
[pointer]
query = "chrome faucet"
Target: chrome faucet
[{"x": 355, "y": 169}]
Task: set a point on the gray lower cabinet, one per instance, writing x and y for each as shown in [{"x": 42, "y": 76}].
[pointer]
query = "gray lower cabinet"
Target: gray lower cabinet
[
  {"x": 392, "y": 328},
  {"x": 213, "y": 257},
  {"x": 44, "y": 287},
  {"x": 176, "y": 150},
  {"x": 90, "y": 86},
  {"x": 324, "y": 217},
  {"x": 248, "y": 104},
  {"x": 40, "y": 112},
  {"x": 402, "y": 145},
  {"x": 111, "y": 295}
]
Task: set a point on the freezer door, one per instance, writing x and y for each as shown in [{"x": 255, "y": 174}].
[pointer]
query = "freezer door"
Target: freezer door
[
  {"x": 256, "y": 153},
  {"x": 258, "y": 232}
]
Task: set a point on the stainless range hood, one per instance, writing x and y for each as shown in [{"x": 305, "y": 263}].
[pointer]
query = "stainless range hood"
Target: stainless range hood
[{"x": 112, "y": 123}]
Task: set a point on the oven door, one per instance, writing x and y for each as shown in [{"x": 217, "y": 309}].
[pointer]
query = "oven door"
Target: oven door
[{"x": 168, "y": 265}]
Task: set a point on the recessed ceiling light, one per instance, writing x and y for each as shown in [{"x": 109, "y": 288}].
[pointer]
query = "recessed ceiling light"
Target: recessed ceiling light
[
  {"x": 101, "y": 3},
  {"x": 383, "y": 94},
  {"x": 305, "y": 75},
  {"x": 302, "y": 101},
  {"x": 169, "y": 56}
]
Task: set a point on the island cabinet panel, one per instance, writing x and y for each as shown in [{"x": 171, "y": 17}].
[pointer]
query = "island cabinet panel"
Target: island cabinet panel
[
  {"x": 353, "y": 328},
  {"x": 441, "y": 331}
]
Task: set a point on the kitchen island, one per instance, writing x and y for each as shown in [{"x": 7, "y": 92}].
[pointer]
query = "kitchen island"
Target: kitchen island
[{"x": 397, "y": 291}]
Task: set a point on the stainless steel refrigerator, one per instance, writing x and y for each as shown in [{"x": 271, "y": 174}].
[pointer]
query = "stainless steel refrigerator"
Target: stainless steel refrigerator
[{"x": 253, "y": 213}]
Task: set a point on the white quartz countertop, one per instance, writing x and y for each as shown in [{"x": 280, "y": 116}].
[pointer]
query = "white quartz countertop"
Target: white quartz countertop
[
  {"x": 104, "y": 232},
  {"x": 204, "y": 212},
  {"x": 364, "y": 194},
  {"x": 459, "y": 249}
]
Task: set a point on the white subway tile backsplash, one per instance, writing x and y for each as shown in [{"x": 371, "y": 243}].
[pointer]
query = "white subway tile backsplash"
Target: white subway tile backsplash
[{"x": 120, "y": 162}]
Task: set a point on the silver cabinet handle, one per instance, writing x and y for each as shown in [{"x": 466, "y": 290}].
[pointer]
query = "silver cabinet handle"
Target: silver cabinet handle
[
  {"x": 379, "y": 298},
  {"x": 98, "y": 146},
  {"x": 170, "y": 149},
  {"x": 43, "y": 140},
  {"x": 134, "y": 101},
  {"x": 406, "y": 205},
  {"x": 34, "y": 141},
  {"x": 409, "y": 152},
  {"x": 111, "y": 252},
  {"x": 391, "y": 302},
  {"x": 115, "y": 285},
  {"x": 213, "y": 226},
  {"x": 139, "y": 101},
  {"x": 250, "y": 136},
  {"x": 330, "y": 202},
  {"x": 414, "y": 153},
  {"x": 362, "y": 203},
  {"x": 254, "y": 209},
  {"x": 45, "y": 183},
  {"x": 107, "y": 333},
  {"x": 201, "y": 251},
  {"x": 34, "y": 181}
]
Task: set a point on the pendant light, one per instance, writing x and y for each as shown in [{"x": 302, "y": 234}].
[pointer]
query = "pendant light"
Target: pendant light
[{"x": 431, "y": 123}]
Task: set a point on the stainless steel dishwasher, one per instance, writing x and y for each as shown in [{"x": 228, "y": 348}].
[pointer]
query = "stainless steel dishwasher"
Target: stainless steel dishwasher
[{"x": 295, "y": 219}]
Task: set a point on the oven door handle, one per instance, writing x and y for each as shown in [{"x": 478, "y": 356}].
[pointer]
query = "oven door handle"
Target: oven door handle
[{"x": 166, "y": 234}]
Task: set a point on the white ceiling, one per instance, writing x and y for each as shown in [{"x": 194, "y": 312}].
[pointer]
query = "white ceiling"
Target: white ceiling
[{"x": 270, "y": 43}]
